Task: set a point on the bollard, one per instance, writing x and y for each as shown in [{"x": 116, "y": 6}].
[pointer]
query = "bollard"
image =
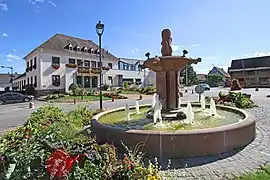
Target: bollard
[
  {"x": 74, "y": 101},
  {"x": 112, "y": 98},
  {"x": 192, "y": 91},
  {"x": 140, "y": 97},
  {"x": 31, "y": 105},
  {"x": 185, "y": 90}
]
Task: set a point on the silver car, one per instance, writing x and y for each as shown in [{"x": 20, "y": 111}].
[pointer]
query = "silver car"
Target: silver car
[{"x": 12, "y": 97}]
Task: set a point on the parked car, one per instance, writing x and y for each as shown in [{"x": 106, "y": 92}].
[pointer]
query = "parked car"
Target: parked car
[
  {"x": 12, "y": 97},
  {"x": 206, "y": 87}
]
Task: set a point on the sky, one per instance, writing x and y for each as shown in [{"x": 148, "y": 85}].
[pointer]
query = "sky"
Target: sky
[{"x": 216, "y": 31}]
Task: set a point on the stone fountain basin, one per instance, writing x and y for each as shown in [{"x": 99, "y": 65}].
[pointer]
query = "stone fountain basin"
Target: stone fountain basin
[{"x": 178, "y": 144}]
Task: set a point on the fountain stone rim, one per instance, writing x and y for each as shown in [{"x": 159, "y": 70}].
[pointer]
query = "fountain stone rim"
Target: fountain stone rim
[{"x": 246, "y": 121}]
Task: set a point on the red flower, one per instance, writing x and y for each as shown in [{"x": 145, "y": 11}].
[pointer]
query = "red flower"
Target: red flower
[{"x": 59, "y": 164}]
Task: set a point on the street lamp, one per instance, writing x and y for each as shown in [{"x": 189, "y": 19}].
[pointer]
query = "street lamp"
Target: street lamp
[
  {"x": 100, "y": 30},
  {"x": 11, "y": 69}
]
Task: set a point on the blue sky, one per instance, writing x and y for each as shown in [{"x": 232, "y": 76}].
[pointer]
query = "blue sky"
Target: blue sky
[{"x": 216, "y": 31}]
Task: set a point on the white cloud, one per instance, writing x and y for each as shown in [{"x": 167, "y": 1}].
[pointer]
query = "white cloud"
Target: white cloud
[
  {"x": 9, "y": 60},
  {"x": 52, "y": 3},
  {"x": 14, "y": 50},
  {"x": 175, "y": 48},
  {"x": 13, "y": 57},
  {"x": 3, "y": 6},
  {"x": 135, "y": 50},
  {"x": 195, "y": 45},
  {"x": 4, "y": 34}
]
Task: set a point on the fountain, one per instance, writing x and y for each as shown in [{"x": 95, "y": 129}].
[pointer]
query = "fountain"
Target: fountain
[
  {"x": 190, "y": 114},
  {"x": 127, "y": 112},
  {"x": 183, "y": 132},
  {"x": 202, "y": 102},
  {"x": 137, "y": 107},
  {"x": 213, "y": 109}
]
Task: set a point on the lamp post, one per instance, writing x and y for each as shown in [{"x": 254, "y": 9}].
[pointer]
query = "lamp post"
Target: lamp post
[
  {"x": 100, "y": 30},
  {"x": 11, "y": 69}
]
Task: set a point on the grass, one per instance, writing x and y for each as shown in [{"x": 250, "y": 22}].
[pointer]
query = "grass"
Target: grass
[
  {"x": 263, "y": 174},
  {"x": 78, "y": 98}
]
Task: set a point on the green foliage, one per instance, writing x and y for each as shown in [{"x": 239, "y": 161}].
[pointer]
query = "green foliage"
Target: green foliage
[
  {"x": 73, "y": 87},
  {"x": 148, "y": 90},
  {"x": 241, "y": 101},
  {"x": 191, "y": 75},
  {"x": 25, "y": 151},
  {"x": 105, "y": 87},
  {"x": 214, "y": 79},
  {"x": 126, "y": 85}
]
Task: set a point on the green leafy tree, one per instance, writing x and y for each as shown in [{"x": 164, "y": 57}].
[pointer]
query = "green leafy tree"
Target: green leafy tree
[
  {"x": 191, "y": 75},
  {"x": 73, "y": 87},
  {"x": 214, "y": 79}
]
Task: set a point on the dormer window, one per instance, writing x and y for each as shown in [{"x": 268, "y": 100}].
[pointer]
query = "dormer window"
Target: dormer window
[
  {"x": 70, "y": 47},
  {"x": 78, "y": 48},
  {"x": 85, "y": 49},
  {"x": 91, "y": 50}
]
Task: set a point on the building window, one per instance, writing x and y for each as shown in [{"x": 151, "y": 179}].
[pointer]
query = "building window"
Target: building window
[
  {"x": 94, "y": 82},
  {"x": 27, "y": 81},
  {"x": 31, "y": 65},
  {"x": 35, "y": 63},
  {"x": 85, "y": 49},
  {"x": 110, "y": 65},
  {"x": 35, "y": 80},
  {"x": 71, "y": 61},
  {"x": 79, "y": 81},
  {"x": 70, "y": 47},
  {"x": 78, "y": 48},
  {"x": 24, "y": 82},
  {"x": 56, "y": 61},
  {"x": 31, "y": 80},
  {"x": 132, "y": 68},
  {"x": 93, "y": 64},
  {"x": 86, "y": 63},
  {"x": 86, "y": 81},
  {"x": 110, "y": 79},
  {"x": 56, "y": 80},
  {"x": 99, "y": 64},
  {"x": 79, "y": 62}
]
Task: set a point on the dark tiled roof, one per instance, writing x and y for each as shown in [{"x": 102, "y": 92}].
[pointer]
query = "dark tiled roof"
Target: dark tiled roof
[
  {"x": 22, "y": 75},
  {"x": 60, "y": 42},
  {"x": 130, "y": 61},
  {"x": 224, "y": 73},
  {"x": 254, "y": 62}
]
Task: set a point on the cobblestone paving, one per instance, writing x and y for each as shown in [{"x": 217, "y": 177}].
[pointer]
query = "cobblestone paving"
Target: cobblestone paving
[{"x": 231, "y": 164}]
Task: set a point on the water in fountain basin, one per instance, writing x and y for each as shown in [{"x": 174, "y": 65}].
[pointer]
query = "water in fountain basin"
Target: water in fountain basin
[
  {"x": 202, "y": 102},
  {"x": 189, "y": 114},
  {"x": 137, "y": 107},
  {"x": 127, "y": 112},
  {"x": 213, "y": 109}
]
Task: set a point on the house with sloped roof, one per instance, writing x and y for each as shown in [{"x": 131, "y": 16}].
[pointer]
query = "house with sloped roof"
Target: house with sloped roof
[
  {"x": 62, "y": 60},
  {"x": 226, "y": 78},
  {"x": 251, "y": 72}
]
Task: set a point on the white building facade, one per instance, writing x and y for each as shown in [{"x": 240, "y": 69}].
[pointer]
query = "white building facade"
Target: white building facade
[{"x": 62, "y": 60}]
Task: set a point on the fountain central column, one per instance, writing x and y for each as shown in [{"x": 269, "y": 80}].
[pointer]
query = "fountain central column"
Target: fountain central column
[{"x": 167, "y": 88}]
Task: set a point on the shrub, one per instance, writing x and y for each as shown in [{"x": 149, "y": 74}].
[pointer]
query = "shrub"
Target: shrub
[
  {"x": 50, "y": 136},
  {"x": 126, "y": 85},
  {"x": 73, "y": 87},
  {"x": 235, "y": 85},
  {"x": 105, "y": 87},
  {"x": 115, "y": 95}
]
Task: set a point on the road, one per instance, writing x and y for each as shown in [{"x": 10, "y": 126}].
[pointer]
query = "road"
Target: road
[{"x": 12, "y": 115}]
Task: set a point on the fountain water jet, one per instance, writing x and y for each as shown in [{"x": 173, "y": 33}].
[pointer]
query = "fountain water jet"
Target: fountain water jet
[
  {"x": 156, "y": 106},
  {"x": 202, "y": 102},
  {"x": 127, "y": 112},
  {"x": 213, "y": 109},
  {"x": 137, "y": 107},
  {"x": 190, "y": 114}
]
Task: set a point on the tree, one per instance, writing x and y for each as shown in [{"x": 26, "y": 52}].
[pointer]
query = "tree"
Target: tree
[
  {"x": 214, "y": 79},
  {"x": 191, "y": 75},
  {"x": 73, "y": 87}
]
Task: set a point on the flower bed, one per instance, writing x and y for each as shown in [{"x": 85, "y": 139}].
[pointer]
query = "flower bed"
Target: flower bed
[
  {"x": 50, "y": 145},
  {"x": 115, "y": 95}
]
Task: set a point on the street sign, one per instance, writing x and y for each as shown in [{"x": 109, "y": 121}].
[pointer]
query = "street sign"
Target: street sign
[{"x": 199, "y": 89}]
